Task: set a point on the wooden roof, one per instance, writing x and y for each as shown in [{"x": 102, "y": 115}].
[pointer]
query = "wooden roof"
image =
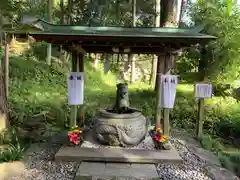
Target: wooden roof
[{"x": 103, "y": 39}]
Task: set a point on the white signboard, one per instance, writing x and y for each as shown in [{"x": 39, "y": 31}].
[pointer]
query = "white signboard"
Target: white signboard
[
  {"x": 168, "y": 90},
  {"x": 203, "y": 90},
  {"x": 75, "y": 88}
]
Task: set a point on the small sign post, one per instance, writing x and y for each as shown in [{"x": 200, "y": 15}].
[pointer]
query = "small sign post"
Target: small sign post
[
  {"x": 168, "y": 90},
  {"x": 168, "y": 87},
  {"x": 201, "y": 91},
  {"x": 75, "y": 88}
]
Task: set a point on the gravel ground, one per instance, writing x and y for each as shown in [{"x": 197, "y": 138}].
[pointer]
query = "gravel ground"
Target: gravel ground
[
  {"x": 41, "y": 166},
  {"x": 191, "y": 169}
]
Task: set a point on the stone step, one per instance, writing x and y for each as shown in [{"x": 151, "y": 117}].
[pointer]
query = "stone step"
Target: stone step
[
  {"x": 116, "y": 171},
  {"x": 122, "y": 155}
]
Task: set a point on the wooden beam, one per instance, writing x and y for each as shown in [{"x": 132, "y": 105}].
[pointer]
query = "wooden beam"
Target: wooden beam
[
  {"x": 121, "y": 39},
  {"x": 109, "y": 49}
]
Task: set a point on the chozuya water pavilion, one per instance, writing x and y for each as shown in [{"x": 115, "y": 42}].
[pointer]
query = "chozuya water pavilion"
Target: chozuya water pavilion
[{"x": 80, "y": 40}]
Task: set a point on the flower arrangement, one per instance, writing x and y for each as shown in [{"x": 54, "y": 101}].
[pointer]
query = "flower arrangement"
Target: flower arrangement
[
  {"x": 158, "y": 138},
  {"x": 75, "y": 136}
]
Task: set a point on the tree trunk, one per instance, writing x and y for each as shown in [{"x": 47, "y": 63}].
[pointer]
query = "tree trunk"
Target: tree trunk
[
  {"x": 4, "y": 123},
  {"x": 126, "y": 63},
  {"x": 3, "y": 105},
  {"x": 156, "y": 62},
  {"x": 106, "y": 63},
  {"x": 168, "y": 18},
  {"x": 49, "y": 50},
  {"x": 169, "y": 11},
  {"x": 96, "y": 61},
  {"x": 178, "y": 10},
  {"x": 132, "y": 56},
  {"x": 62, "y": 11},
  {"x": 1, "y": 39},
  {"x": 70, "y": 7},
  {"x": 6, "y": 65},
  {"x": 63, "y": 54},
  {"x": 184, "y": 4}
]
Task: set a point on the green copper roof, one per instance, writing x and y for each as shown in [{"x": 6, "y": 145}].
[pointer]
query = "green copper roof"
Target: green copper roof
[
  {"x": 40, "y": 27},
  {"x": 103, "y": 39}
]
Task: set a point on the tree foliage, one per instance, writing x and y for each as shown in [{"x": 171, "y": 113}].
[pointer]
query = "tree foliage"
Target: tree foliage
[
  {"x": 111, "y": 12},
  {"x": 221, "y": 60}
]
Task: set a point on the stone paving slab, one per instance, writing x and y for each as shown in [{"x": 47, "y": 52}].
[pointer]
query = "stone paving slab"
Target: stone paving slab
[
  {"x": 205, "y": 155},
  {"x": 116, "y": 171},
  {"x": 9, "y": 170},
  {"x": 73, "y": 154},
  {"x": 218, "y": 173}
]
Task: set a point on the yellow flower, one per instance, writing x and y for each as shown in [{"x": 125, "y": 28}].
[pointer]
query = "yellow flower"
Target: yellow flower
[
  {"x": 77, "y": 131},
  {"x": 163, "y": 139}
]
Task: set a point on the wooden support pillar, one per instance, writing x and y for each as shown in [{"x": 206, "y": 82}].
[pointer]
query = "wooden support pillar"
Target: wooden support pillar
[
  {"x": 73, "y": 109},
  {"x": 200, "y": 119},
  {"x": 81, "y": 107},
  {"x": 77, "y": 66},
  {"x": 201, "y": 69},
  {"x": 166, "y": 111},
  {"x": 160, "y": 70}
]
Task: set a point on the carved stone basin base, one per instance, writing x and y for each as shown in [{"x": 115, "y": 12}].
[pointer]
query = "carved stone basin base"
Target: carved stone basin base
[{"x": 114, "y": 129}]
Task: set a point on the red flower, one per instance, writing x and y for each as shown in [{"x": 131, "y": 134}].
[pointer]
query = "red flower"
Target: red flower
[
  {"x": 74, "y": 138},
  {"x": 157, "y": 137}
]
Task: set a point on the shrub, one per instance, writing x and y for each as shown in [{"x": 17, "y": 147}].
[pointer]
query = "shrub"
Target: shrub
[
  {"x": 12, "y": 153},
  {"x": 14, "y": 148}
]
